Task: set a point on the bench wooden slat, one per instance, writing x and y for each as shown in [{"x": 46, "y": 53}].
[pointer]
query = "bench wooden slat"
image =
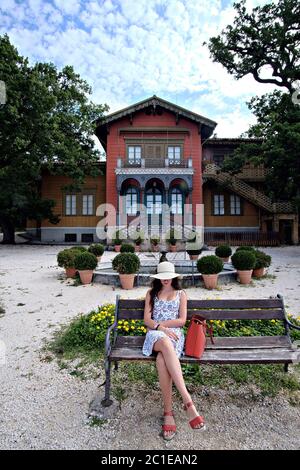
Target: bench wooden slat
[
  {"x": 224, "y": 342},
  {"x": 224, "y": 303},
  {"x": 245, "y": 314},
  {"x": 219, "y": 356}
]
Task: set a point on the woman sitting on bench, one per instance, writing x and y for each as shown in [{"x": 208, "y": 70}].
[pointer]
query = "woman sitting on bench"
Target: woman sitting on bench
[{"x": 164, "y": 315}]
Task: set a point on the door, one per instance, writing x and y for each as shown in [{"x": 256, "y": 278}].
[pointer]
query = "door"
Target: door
[{"x": 154, "y": 201}]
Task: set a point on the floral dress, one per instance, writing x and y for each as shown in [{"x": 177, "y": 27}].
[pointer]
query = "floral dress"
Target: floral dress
[{"x": 164, "y": 310}]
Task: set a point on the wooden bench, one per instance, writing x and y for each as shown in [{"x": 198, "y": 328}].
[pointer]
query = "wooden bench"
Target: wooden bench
[{"x": 226, "y": 350}]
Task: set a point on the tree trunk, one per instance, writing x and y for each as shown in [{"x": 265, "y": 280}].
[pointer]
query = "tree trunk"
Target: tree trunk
[{"x": 8, "y": 231}]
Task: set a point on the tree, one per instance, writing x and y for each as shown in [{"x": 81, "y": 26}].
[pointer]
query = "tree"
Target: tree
[
  {"x": 267, "y": 39},
  {"x": 263, "y": 42},
  {"x": 47, "y": 122}
]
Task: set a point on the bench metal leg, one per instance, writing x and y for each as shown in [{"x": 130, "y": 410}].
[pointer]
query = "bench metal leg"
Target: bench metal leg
[
  {"x": 116, "y": 365},
  {"x": 107, "y": 401},
  {"x": 286, "y": 367}
]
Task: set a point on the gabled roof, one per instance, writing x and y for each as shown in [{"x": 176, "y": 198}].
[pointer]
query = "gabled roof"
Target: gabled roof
[{"x": 207, "y": 125}]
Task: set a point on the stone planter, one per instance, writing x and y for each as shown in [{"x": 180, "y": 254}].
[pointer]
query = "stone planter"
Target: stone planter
[
  {"x": 127, "y": 280},
  {"x": 245, "y": 276},
  {"x": 86, "y": 276},
  {"x": 70, "y": 272},
  {"x": 210, "y": 280},
  {"x": 117, "y": 248},
  {"x": 260, "y": 272}
]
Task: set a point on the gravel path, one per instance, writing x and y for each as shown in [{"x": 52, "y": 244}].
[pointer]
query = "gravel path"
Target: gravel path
[{"x": 43, "y": 407}]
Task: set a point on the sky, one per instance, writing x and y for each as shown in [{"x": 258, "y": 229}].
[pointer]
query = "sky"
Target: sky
[{"x": 129, "y": 50}]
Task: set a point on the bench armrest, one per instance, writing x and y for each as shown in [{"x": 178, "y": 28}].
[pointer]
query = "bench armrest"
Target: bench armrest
[
  {"x": 291, "y": 325},
  {"x": 108, "y": 344},
  {"x": 287, "y": 321}
]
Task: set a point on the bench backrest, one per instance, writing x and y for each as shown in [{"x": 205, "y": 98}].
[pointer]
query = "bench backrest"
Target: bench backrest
[{"x": 241, "y": 309}]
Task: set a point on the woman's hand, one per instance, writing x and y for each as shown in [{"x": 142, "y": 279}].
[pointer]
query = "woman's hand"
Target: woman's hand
[{"x": 169, "y": 332}]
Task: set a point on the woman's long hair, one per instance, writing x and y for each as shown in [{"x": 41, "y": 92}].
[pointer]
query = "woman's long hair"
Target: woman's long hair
[{"x": 156, "y": 287}]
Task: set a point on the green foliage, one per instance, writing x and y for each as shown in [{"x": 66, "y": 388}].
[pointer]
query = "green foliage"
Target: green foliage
[
  {"x": 79, "y": 248},
  {"x": 155, "y": 240},
  {"x": 210, "y": 264},
  {"x": 243, "y": 260},
  {"x": 97, "y": 249},
  {"x": 223, "y": 251},
  {"x": 47, "y": 124},
  {"x": 85, "y": 261},
  {"x": 262, "y": 260},
  {"x": 126, "y": 263},
  {"x": 139, "y": 240},
  {"x": 66, "y": 258},
  {"x": 172, "y": 237},
  {"x": 246, "y": 248},
  {"x": 127, "y": 248}
]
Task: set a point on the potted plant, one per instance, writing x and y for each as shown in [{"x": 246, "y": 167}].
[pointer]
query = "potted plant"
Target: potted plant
[
  {"x": 85, "y": 263},
  {"x": 171, "y": 239},
  {"x": 223, "y": 252},
  {"x": 244, "y": 262},
  {"x": 138, "y": 241},
  {"x": 263, "y": 261},
  {"x": 246, "y": 248},
  {"x": 97, "y": 249},
  {"x": 127, "y": 248},
  {"x": 117, "y": 242},
  {"x": 194, "y": 246},
  {"x": 154, "y": 240},
  {"x": 127, "y": 265},
  {"x": 210, "y": 266},
  {"x": 194, "y": 254},
  {"x": 79, "y": 248},
  {"x": 66, "y": 259}
]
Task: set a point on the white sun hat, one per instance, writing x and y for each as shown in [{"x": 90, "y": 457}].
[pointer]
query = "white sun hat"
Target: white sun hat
[{"x": 165, "y": 270}]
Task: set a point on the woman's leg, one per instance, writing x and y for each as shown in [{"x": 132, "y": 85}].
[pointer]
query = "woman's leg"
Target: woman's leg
[
  {"x": 165, "y": 347},
  {"x": 165, "y": 382}
]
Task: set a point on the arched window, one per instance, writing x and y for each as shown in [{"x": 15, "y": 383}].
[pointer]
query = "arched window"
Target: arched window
[
  {"x": 131, "y": 195},
  {"x": 154, "y": 201},
  {"x": 176, "y": 201}
]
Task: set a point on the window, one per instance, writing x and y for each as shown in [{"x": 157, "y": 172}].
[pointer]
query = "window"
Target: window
[
  {"x": 235, "y": 205},
  {"x": 70, "y": 237},
  {"x": 176, "y": 201},
  {"x": 174, "y": 155},
  {"x": 131, "y": 201},
  {"x": 88, "y": 204},
  {"x": 219, "y": 204},
  {"x": 70, "y": 204},
  {"x": 134, "y": 154},
  {"x": 218, "y": 159},
  {"x": 87, "y": 238},
  {"x": 154, "y": 202}
]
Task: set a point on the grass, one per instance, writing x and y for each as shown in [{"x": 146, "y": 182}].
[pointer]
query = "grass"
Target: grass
[{"x": 94, "y": 421}]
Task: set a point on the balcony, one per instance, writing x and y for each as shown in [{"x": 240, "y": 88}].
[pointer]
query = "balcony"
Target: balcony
[
  {"x": 155, "y": 163},
  {"x": 249, "y": 172}
]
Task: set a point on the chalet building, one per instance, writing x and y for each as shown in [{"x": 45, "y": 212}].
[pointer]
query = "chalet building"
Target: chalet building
[{"x": 163, "y": 167}]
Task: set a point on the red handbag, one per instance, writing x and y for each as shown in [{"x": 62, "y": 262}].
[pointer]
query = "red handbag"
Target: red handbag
[{"x": 195, "y": 340}]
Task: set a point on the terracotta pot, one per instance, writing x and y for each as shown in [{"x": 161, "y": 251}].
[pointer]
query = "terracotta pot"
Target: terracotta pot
[
  {"x": 194, "y": 257},
  {"x": 155, "y": 247},
  {"x": 137, "y": 248},
  {"x": 260, "y": 272},
  {"x": 127, "y": 280},
  {"x": 225, "y": 260},
  {"x": 86, "y": 276},
  {"x": 117, "y": 248},
  {"x": 70, "y": 272},
  {"x": 245, "y": 276},
  {"x": 173, "y": 248},
  {"x": 210, "y": 280}
]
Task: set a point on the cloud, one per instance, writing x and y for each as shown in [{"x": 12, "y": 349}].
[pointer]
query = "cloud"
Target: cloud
[{"x": 128, "y": 50}]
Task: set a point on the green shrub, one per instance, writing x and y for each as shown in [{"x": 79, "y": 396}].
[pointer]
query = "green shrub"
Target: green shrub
[
  {"x": 245, "y": 248},
  {"x": 243, "y": 260},
  {"x": 85, "y": 261},
  {"x": 223, "y": 251},
  {"x": 155, "y": 240},
  {"x": 210, "y": 264},
  {"x": 78, "y": 248},
  {"x": 127, "y": 248},
  {"x": 126, "y": 263},
  {"x": 66, "y": 258},
  {"x": 262, "y": 260},
  {"x": 97, "y": 249}
]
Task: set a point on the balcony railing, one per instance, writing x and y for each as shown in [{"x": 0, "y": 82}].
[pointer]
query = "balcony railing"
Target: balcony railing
[{"x": 155, "y": 163}]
